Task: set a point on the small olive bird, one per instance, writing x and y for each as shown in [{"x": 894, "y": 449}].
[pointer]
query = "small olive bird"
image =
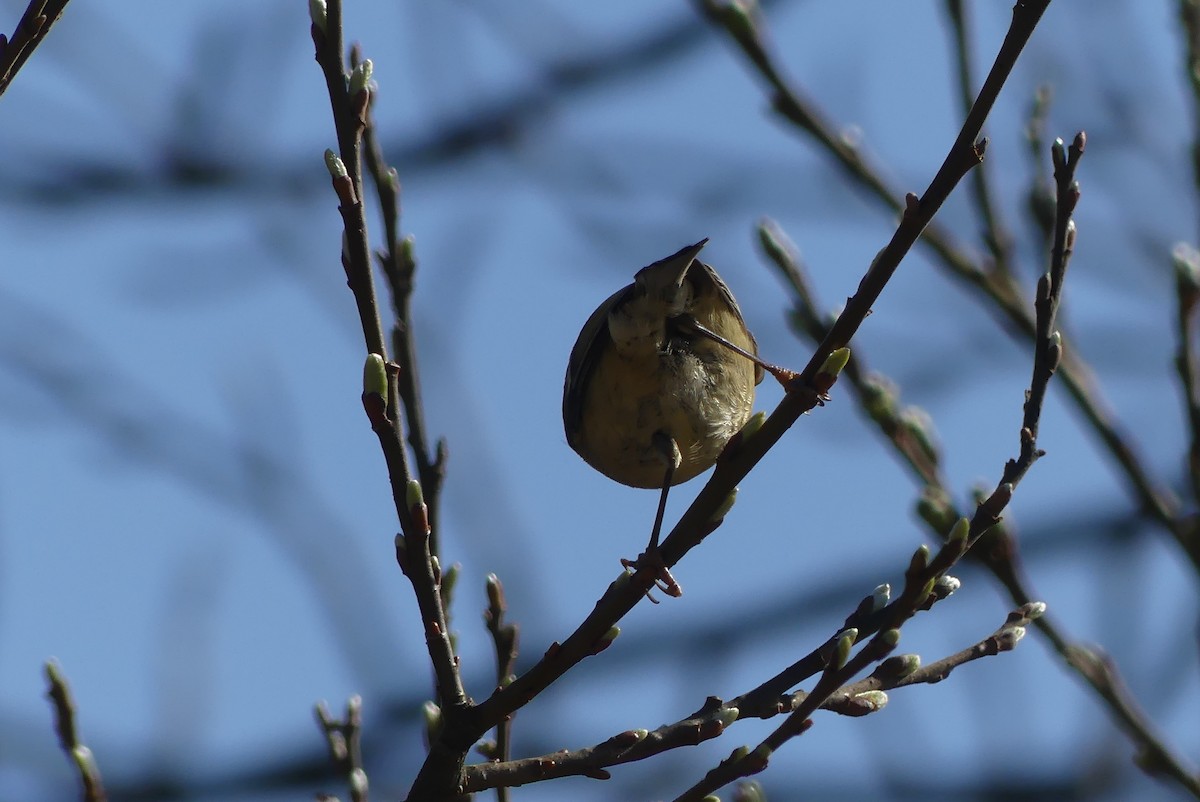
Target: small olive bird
[{"x": 660, "y": 379}]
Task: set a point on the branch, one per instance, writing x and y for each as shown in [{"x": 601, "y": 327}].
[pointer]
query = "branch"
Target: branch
[
  {"x": 398, "y": 260},
  {"x": 833, "y": 692},
  {"x": 1000, "y": 551},
  {"x": 343, "y": 738},
  {"x": 350, "y": 97},
  {"x": 1187, "y": 295},
  {"x": 80, "y": 756},
  {"x": 504, "y": 640},
  {"x": 705, "y": 514},
  {"x": 715, "y": 716},
  {"x": 31, "y": 31},
  {"x": 748, "y": 30},
  {"x": 996, "y": 235},
  {"x": 1187, "y": 261}
]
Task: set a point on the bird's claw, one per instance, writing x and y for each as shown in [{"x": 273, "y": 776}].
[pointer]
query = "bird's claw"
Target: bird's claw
[{"x": 651, "y": 560}]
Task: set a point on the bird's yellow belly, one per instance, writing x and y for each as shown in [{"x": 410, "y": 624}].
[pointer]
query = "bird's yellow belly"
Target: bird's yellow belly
[{"x": 629, "y": 400}]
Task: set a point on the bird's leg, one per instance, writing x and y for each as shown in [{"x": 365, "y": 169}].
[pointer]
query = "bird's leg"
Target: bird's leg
[
  {"x": 669, "y": 449},
  {"x": 689, "y": 324},
  {"x": 651, "y": 559}
]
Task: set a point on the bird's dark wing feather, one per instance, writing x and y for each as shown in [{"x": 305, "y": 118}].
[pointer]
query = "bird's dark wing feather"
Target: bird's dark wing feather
[{"x": 593, "y": 339}]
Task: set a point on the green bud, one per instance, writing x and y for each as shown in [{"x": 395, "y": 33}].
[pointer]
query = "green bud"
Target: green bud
[
  {"x": 319, "y": 14},
  {"x": 1186, "y": 260},
  {"x": 920, "y": 559},
  {"x": 53, "y": 672},
  {"x": 737, "y": 17},
  {"x": 358, "y": 783},
  {"x": 610, "y": 636},
  {"x": 1008, "y": 637},
  {"x": 874, "y": 700},
  {"x": 727, "y": 715},
  {"x": 835, "y": 362},
  {"x": 413, "y": 495},
  {"x": 935, "y": 508},
  {"x": 946, "y": 586},
  {"x": 844, "y": 646},
  {"x": 749, "y": 792},
  {"x": 85, "y": 760},
  {"x": 375, "y": 379},
  {"x": 890, "y": 637},
  {"x": 900, "y": 666},
  {"x": 360, "y": 77},
  {"x": 917, "y": 423},
  {"x": 880, "y": 597},
  {"x": 1054, "y": 349},
  {"x": 774, "y": 242},
  {"x": 725, "y": 506},
  {"x": 1058, "y": 154},
  {"x": 433, "y": 720},
  {"x": 335, "y": 165},
  {"x": 879, "y": 398},
  {"x": 960, "y": 530},
  {"x": 495, "y": 592},
  {"x": 753, "y": 425},
  {"x": 449, "y": 580},
  {"x": 1034, "y": 610},
  {"x": 407, "y": 252}
]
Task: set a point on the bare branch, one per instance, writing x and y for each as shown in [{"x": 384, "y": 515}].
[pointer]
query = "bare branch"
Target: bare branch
[{"x": 80, "y": 756}]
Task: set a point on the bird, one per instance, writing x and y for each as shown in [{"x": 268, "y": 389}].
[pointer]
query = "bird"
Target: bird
[{"x": 660, "y": 379}]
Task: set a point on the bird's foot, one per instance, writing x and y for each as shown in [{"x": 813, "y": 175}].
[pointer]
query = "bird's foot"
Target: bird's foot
[{"x": 651, "y": 561}]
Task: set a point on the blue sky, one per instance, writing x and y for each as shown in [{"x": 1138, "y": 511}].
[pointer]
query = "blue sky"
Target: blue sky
[{"x": 194, "y": 515}]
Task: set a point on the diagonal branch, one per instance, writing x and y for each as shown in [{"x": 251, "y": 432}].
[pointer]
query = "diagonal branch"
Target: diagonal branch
[
  {"x": 748, "y": 30},
  {"x": 806, "y": 391},
  {"x": 80, "y": 756},
  {"x": 31, "y": 31},
  {"x": 1000, "y": 550}
]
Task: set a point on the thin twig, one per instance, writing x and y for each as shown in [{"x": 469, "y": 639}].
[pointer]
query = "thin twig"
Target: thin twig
[
  {"x": 1187, "y": 263},
  {"x": 80, "y": 756},
  {"x": 1189, "y": 16},
  {"x": 1039, "y": 197},
  {"x": 31, "y": 31},
  {"x": 833, "y": 692},
  {"x": 996, "y": 233},
  {"x": 1187, "y": 296},
  {"x": 748, "y": 30},
  {"x": 897, "y": 674},
  {"x": 1000, "y": 550},
  {"x": 398, "y": 260},
  {"x": 344, "y": 740},
  {"x": 715, "y": 716},
  {"x": 349, "y": 98},
  {"x": 505, "y": 641}
]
